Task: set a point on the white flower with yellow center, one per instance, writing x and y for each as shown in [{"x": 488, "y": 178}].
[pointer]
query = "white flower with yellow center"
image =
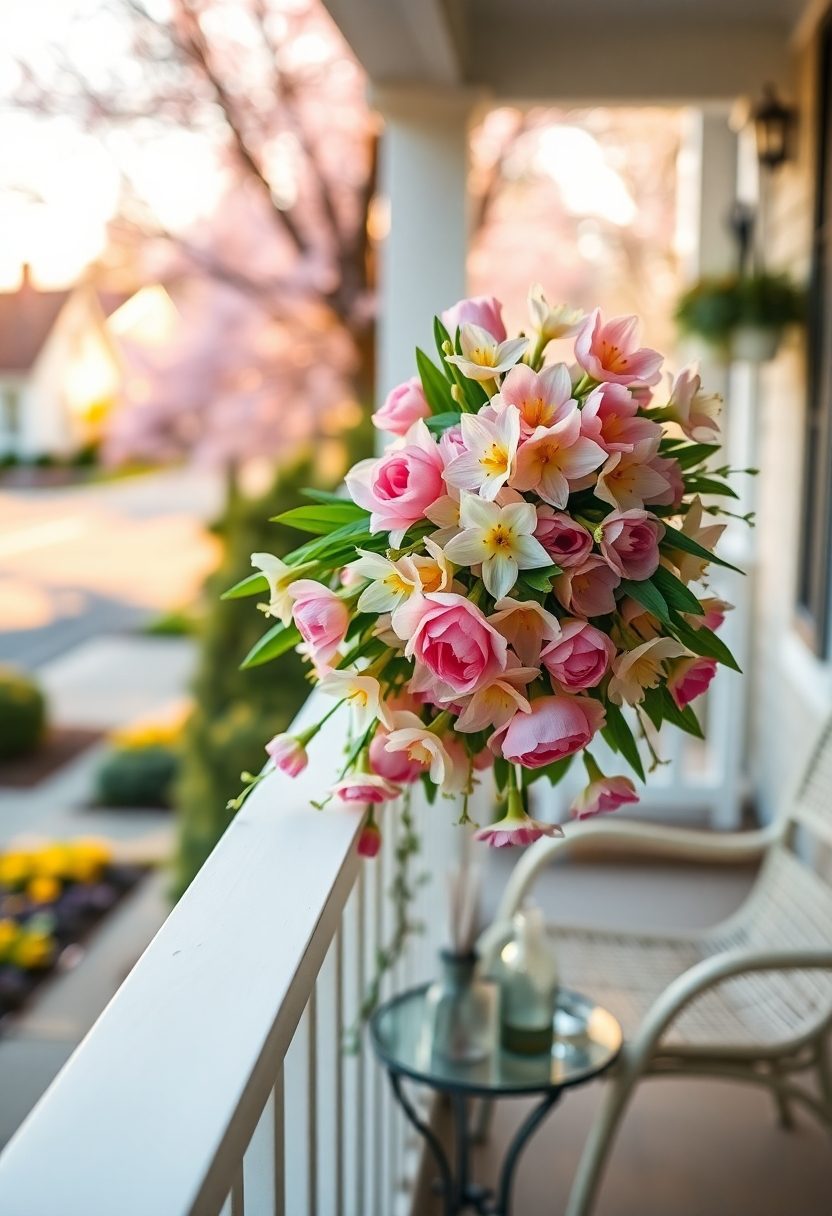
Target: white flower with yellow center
[
  {"x": 491, "y": 449},
  {"x": 498, "y": 702},
  {"x": 408, "y": 734},
  {"x": 483, "y": 357},
  {"x": 391, "y": 583},
  {"x": 362, "y": 693},
  {"x": 636, "y": 670},
  {"x": 279, "y": 577},
  {"x": 499, "y": 538},
  {"x": 552, "y": 320}
]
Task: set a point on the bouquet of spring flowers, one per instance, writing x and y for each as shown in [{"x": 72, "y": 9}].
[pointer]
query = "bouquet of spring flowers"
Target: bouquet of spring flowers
[{"x": 513, "y": 576}]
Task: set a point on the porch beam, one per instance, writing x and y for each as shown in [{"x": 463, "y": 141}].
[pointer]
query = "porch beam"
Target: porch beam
[{"x": 399, "y": 40}]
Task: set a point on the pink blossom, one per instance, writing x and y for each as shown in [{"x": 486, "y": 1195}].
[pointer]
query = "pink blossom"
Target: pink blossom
[
  {"x": 695, "y": 412},
  {"x": 369, "y": 842},
  {"x": 320, "y": 616},
  {"x": 451, "y": 444},
  {"x": 555, "y": 456},
  {"x": 603, "y": 795},
  {"x": 630, "y": 543},
  {"x": 587, "y": 590},
  {"x": 671, "y": 471},
  {"x": 610, "y": 417},
  {"x": 403, "y": 406},
  {"x": 399, "y": 487},
  {"x": 607, "y": 351},
  {"x": 288, "y": 754},
  {"x": 568, "y": 543},
  {"x": 689, "y": 678},
  {"x": 543, "y": 398},
  {"x": 456, "y": 648},
  {"x": 713, "y": 613},
  {"x": 628, "y": 479},
  {"x": 556, "y": 727},
  {"x": 395, "y": 766},
  {"x": 514, "y": 830},
  {"x": 580, "y": 657},
  {"x": 498, "y": 702},
  {"x": 484, "y": 311},
  {"x": 364, "y": 788},
  {"x": 526, "y": 625}
]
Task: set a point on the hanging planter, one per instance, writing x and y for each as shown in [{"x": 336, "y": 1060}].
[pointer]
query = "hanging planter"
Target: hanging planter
[{"x": 743, "y": 317}]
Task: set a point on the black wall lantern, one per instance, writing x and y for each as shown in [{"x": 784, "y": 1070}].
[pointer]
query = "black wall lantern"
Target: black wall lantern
[{"x": 773, "y": 124}]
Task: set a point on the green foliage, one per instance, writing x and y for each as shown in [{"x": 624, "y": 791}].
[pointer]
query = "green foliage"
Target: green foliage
[
  {"x": 236, "y": 712},
  {"x": 22, "y": 714},
  {"x": 714, "y": 307},
  {"x": 137, "y": 776}
]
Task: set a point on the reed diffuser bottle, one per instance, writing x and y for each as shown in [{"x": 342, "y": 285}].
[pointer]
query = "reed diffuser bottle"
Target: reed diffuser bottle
[{"x": 528, "y": 978}]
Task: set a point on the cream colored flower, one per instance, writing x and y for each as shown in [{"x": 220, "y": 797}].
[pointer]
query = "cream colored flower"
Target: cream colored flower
[{"x": 636, "y": 670}]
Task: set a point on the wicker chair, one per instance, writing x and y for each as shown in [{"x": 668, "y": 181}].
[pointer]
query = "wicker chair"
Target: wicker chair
[{"x": 750, "y": 999}]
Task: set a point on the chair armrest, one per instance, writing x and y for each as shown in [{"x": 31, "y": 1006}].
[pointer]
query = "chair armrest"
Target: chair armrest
[
  {"x": 633, "y": 839},
  {"x": 708, "y": 974}
]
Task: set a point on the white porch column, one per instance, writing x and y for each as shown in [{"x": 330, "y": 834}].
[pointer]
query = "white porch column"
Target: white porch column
[{"x": 423, "y": 173}]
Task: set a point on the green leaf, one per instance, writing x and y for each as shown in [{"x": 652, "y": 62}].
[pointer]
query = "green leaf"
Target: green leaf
[
  {"x": 322, "y": 495},
  {"x": 323, "y": 518},
  {"x": 619, "y": 736},
  {"x": 252, "y": 584},
  {"x": 685, "y": 719},
  {"x": 674, "y": 539},
  {"x": 652, "y": 706},
  {"x": 436, "y": 388},
  {"x": 646, "y": 593},
  {"x": 439, "y": 423},
  {"x": 692, "y": 454},
  {"x": 675, "y": 592},
  {"x": 430, "y": 789},
  {"x": 355, "y": 533},
  {"x": 554, "y": 772},
  {"x": 500, "y": 773},
  {"x": 708, "y": 485},
  {"x": 272, "y": 645},
  {"x": 703, "y": 641},
  {"x": 541, "y": 580}
]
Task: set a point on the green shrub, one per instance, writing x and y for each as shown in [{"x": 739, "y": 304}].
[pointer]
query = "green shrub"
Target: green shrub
[
  {"x": 137, "y": 776},
  {"x": 714, "y": 307},
  {"x": 22, "y": 714}
]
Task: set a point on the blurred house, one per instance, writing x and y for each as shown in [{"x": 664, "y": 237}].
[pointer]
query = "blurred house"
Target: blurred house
[{"x": 61, "y": 365}]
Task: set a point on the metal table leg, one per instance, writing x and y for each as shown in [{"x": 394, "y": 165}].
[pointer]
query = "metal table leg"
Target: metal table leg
[
  {"x": 447, "y": 1181},
  {"x": 521, "y": 1139}
]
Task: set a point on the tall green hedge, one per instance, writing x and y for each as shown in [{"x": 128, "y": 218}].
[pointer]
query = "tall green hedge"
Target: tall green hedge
[{"x": 235, "y": 712}]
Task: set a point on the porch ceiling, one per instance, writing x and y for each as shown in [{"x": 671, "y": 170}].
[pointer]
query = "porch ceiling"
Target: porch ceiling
[{"x": 558, "y": 50}]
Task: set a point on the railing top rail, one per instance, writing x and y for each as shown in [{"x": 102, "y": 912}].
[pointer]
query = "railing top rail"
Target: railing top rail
[{"x": 155, "y": 1107}]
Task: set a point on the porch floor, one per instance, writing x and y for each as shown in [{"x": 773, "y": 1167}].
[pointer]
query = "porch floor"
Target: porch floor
[{"x": 689, "y": 1148}]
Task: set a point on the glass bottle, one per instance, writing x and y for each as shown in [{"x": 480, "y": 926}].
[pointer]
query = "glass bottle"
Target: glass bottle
[
  {"x": 528, "y": 977},
  {"x": 464, "y": 1008}
]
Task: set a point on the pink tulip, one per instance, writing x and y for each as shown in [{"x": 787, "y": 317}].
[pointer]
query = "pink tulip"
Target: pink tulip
[
  {"x": 456, "y": 648},
  {"x": 568, "y": 543},
  {"x": 689, "y": 678},
  {"x": 608, "y": 351},
  {"x": 288, "y": 754},
  {"x": 399, "y": 487},
  {"x": 320, "y": 616},
  {"x": 630, "y": 543},
  {"x": 587, "y": 590},
  {"x": 364, "y": 788},
  {"x": 484, "y": 311},
  {"x": 603, "y": 795},
  {"x": 395, "y": 766},
  {"x": 580, "y": 657},
  {"x": 610, "y": 417},
  {"x": 556, "y": 727},
  {"x": 403, "y": 406}
]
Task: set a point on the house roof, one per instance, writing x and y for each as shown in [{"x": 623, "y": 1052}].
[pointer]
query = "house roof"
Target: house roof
[{"x": 27, "y": 316}]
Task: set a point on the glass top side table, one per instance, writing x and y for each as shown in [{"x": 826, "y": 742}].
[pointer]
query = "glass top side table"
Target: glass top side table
[{"x": 587, "y": 1040}]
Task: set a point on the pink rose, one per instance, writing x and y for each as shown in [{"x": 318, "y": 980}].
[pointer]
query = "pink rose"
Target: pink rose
[
  {"x": 484, "y": 311},
  {"x": 580, "y": 657},
  {"x": 689, "y": 678},
  {"x": 403, "y": 406},
  {"x": 364, "y": 788},
  {"x": 630, "y": 543},
  {"x": 320, "y": 616},
  {"x": 587, "y": 590},
  {"x": 395, "y": 766},
  {"x": 456, "y": 649},
  {"x": 556, "y": 727},
  {"x": 288, "y": 754},
  {"x": 451, "y": 444},
  {"x": 604, "y": 795},
  {"x": 608, "y": 351},
  {"x": 566, "y": 542},
  {"x": 399, "y": 487}
]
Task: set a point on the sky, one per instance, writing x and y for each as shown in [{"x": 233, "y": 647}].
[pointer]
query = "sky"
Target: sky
[{"x": 59, "y": 186}]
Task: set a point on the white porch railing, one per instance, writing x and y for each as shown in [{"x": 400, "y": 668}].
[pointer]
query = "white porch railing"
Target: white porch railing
[{"x": 215, "y": 1080}]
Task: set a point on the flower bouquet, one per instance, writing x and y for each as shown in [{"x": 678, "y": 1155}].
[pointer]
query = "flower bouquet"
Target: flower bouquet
[{"x": 512, "y": 577}]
